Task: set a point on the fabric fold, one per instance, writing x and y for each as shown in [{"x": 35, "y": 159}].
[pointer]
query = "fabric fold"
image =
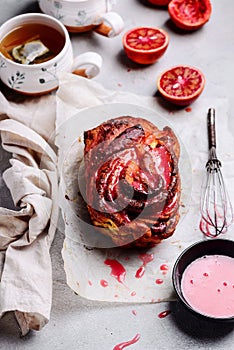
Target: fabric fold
[
  {"x": 30, "y": 111},
  {"x": 27, "y": 232}
]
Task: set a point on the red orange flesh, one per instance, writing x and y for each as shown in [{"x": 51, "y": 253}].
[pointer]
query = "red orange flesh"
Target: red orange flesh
[
  {"x": 145, "y": 45},
  {"x": 181, "y": 85},
  {"x": 189, "y": 14}
]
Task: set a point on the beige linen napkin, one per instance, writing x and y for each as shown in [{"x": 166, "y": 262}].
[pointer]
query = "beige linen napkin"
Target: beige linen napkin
[
  {"x": 87, "y": 273},
  {"x": 26, "y": 233},
  {"x": 37, "y": 113}
]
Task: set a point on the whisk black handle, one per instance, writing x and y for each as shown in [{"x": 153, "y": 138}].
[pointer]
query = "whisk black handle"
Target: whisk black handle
[{"x": 211, "y": 128}]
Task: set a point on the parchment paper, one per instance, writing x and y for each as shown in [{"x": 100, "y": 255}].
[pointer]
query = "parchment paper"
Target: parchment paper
[
  {"x": 26, "y": 233},
  {"x": 86, "y": 269}
]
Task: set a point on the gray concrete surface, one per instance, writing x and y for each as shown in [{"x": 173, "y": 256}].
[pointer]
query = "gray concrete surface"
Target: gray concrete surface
[{"x": 77, "y": 323}]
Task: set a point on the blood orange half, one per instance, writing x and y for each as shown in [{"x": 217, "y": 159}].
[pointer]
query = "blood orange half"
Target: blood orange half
[
  {"x": 145, "y": 45},
  {"x": 190, "y": 14},
  {"x": 181, "y": 85}
]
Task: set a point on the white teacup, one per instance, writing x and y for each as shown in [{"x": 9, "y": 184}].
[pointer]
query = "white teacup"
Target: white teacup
[
  {"x": 41, "y": 78},
  {"x": 85, "y": 15}
]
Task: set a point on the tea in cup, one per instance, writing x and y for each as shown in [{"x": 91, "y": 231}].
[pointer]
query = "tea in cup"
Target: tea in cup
[
  {"x": 34, "y": 49},
  {"x": 84, "y": 15}
]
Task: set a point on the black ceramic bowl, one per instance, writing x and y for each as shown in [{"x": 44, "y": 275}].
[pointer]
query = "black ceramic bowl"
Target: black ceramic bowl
[{"x": 195, "y": 251}]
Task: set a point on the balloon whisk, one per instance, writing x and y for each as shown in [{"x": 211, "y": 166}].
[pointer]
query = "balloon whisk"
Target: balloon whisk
[{"x": 216, "y": 207}]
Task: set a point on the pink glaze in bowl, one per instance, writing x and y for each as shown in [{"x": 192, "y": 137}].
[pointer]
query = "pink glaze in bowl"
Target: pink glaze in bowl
[{"x": 206, "y": 286}]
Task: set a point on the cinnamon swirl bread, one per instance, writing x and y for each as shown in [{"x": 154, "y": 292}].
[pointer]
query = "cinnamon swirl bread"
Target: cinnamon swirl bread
[{"x": 132, "y": 180}]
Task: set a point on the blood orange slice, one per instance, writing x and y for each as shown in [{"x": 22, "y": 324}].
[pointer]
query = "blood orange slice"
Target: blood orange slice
[
  {"x": 145, "y": 45},
  {"x": 181, "y": 85},
  {"x": 159, "y": 2},
  {"x": 189, "y": 14}
]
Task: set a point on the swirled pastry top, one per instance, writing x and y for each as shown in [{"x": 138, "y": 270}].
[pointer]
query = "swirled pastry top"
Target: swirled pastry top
[{"x": 132, "y": 180}]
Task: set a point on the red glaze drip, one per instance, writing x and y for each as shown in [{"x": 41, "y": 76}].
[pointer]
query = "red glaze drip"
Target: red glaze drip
[
  {"x": 188, "y": 109},
  {"x": 140, "y": 272},
  {"x": 159, "y": 281},
  {"x": 117, "y": 269},
  {"x": 134, "y": 312},
  {"x": 204, "y": 228},
  {"x": 164, "y": 267},
  {"x": 146, "y": 258},
  {"x": 164, "y": 314},
  {"x": 208, "y": 229},
  {"x": 90, "y": 283},
  {"x": 127, "y": 343},
  {"x": 165, "y": 167},
  {"x": 104, "y": 283},
  {"x": 133, "y": 294}
]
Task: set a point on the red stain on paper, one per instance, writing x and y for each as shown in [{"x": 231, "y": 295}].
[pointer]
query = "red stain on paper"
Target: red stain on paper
[
  {"x": 159, "y": 281},
  {"x": 164, "y": 314},
  {"x": 140, "y": 272},
  {"x": 164, "y": 268},
  {"x": 146, "y": 258},
  {"x": 117, "y": 270},
  {"x": 127, "y": 343},
  {"x": 104, "y": 283}
]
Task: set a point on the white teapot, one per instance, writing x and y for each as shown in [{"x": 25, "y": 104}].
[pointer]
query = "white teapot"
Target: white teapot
[{"x": 85, "y": 15}]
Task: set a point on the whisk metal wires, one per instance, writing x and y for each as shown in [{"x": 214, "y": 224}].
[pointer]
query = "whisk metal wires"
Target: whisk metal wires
[{"x": 216, "y": 208}]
